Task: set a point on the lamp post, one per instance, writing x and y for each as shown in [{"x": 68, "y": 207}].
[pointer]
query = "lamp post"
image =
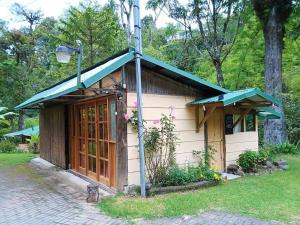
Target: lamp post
[{"x": 63, "y": 55}]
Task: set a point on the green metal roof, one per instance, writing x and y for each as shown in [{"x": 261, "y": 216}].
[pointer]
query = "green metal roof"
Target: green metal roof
[
  {"x": 87, "y": 79},
  {"x": 252, "y": 94},
  {"x": 26, "y": 132},
  {"x": 98, "y": 72}
]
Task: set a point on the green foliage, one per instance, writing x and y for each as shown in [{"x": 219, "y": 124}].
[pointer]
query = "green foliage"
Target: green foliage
[
  {"x": 98, "y": 29},
  {"x": 34, "y": 141},
  {"x": 262, "y": 156},
  {"x": 248, "y": 161},
  {"x": 160, "y": 147},
  {"x": 203, "y": 157},
  {"x": 31, "y": 122},
  {"x": 181, "y": 176},
  {"x": 285, "y": 148},
  {"x": 292, "y": 106},
  {"x": 7, "y": 146},
  {"x": 178, "y": 176}
]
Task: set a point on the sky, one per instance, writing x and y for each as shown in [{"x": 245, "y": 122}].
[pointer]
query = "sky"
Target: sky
[{"x": 56, "y": 8}]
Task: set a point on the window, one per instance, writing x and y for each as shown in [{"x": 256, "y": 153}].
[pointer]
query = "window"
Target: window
[
  {"x": 250, "y": 122},
  {"x": 246, "y": 124},
  {"x": 228, "y": 124},
  {"x": 240, "y": 126}
]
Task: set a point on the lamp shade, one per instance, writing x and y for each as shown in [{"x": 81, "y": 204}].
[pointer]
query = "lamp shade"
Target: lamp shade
[{"x": 63, "y": 54}]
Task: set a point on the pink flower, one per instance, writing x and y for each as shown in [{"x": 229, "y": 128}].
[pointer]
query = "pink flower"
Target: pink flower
[
  {"x": 126, "y": 116},
  {"x": 156, "y": 122},
  {"x": 135, "y": 104}
]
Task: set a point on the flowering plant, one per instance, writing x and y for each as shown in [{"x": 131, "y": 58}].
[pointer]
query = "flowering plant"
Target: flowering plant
[{"x": 160, "y": 144}]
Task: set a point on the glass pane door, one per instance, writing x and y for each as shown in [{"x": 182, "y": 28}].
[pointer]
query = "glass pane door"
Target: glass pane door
[
  {"x": 103, "y": 140},
  {"x": 91, "y": 138},
  {"x": 81, "y": 135}
]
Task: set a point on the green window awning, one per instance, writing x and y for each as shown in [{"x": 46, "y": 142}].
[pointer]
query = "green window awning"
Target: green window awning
[
  {"x": 268, "y": 113},
  {"x": 251, "y": 95}
]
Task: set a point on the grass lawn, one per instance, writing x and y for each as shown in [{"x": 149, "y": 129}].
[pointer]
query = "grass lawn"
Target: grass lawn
[
  {"x": 12, "y": 159},
  {"x": 272, "y": 197}
]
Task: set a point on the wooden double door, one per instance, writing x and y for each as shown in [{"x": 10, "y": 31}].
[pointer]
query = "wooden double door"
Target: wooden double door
[{"x": 94, "y": 141}]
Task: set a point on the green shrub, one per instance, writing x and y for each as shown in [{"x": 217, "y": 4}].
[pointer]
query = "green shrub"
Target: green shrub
[
  {"x": 285, "y": 148},
  {"x": 7, "y": 146},
  {"x": 181, "y": 176},
  {"x": 178, "y": 176},
  {"x": 262, "y": 156},
  {"x": 248, "y": 161}
]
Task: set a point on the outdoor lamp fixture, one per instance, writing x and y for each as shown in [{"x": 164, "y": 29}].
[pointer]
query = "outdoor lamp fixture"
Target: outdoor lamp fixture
[{"x": 63, "y": 55}]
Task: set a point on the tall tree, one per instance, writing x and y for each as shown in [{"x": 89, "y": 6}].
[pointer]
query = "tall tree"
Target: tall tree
[
  {"x": 97, "y": 27},
  {"x": 23, "y": 43},
  {"x": 125, "y": 14},
  {"x": 33, "y": 17},
  {"x": 273, "y": 15},
  {"x": 211, "y": 25}
]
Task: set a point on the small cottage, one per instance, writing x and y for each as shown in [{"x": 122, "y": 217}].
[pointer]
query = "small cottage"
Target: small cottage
[{"x": 83, "y": 127}]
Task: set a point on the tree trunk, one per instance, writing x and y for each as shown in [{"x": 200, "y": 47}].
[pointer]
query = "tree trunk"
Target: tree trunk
[
  {"x": 21, "y": 121},
  {"x": 220, "y": 78},
  {"x": 274, "y": 130},
  {"x": 128, "y": 30}
]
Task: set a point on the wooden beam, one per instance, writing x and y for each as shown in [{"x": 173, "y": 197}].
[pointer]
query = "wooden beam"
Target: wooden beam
[
  {"x": 81, "y": 96},
  {"x": 208, "y": 113},
  {"x": 197, "y": 114}
]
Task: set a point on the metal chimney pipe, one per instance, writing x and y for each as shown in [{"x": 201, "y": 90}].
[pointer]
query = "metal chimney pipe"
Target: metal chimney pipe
[{"x": 138, "y": 55}]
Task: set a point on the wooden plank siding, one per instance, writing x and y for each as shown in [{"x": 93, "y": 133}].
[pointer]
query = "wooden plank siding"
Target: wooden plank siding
[
  {"x": 53, "y": 135},
  {"x": 155, "y": 83}
]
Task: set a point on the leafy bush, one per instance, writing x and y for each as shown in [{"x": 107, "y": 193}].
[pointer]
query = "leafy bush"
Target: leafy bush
[
  {"x": 178, "y": 176},
  {"x": 181, "y": 176},
  {"x": 262, "y": 156},
  {"x": 248, "y": 161},
  {"x": 285, "y": 148},
  {"x": 7, "y": 146},
  {"x": 34, "y": 141},
  {"x": 205, "y": 157}
]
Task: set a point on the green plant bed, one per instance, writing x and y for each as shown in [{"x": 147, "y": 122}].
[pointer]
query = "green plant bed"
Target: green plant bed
[
  {"x": 274, "y": 196},
  {"x": 192, "y": 186},
  {"x": 13, "y": 159}
]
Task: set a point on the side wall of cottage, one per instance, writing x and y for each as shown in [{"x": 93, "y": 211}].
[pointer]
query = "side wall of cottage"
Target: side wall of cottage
[{"x": 185, "y": 120}]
